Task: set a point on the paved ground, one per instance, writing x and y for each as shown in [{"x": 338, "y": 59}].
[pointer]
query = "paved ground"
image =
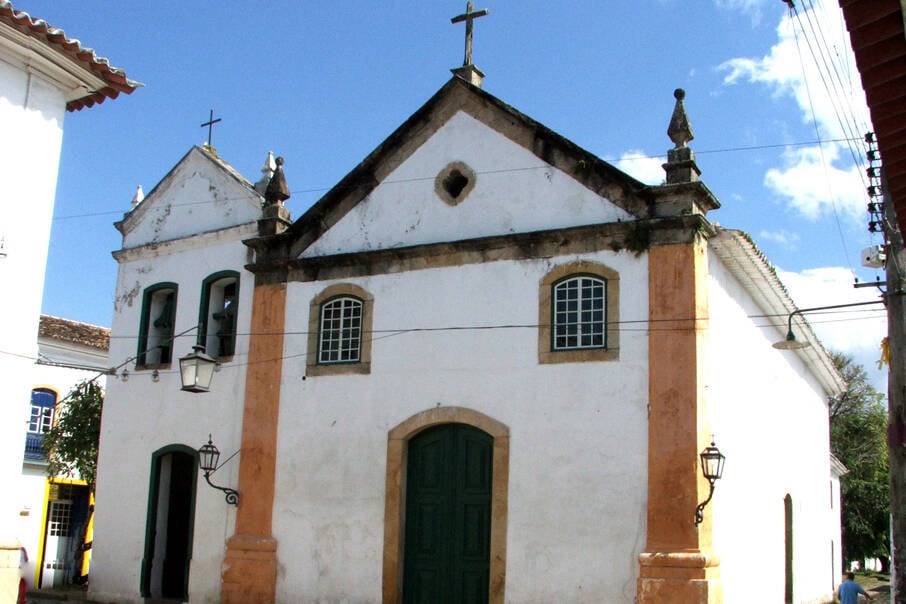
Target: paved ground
[
  {"x": 877, "y": 587},
  {"x": 53, "y": 596}
]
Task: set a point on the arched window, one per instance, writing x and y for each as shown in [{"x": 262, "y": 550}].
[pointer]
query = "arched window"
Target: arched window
[
  {"x": 158, "y": 319},
  {"x": 339, "y": 341},
  {"x": 340, "y": 332},
  {"x": 578, "y": 317},
  {"x": 579, "y": 306},
  {"x": 218, "y": 313}
]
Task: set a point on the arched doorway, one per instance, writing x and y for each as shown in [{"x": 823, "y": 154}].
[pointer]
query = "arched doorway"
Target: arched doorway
[
  {"x": 448, "y": 515},
  {"x": 398, "y": 520},
  {"x": 170, "y": 523}
]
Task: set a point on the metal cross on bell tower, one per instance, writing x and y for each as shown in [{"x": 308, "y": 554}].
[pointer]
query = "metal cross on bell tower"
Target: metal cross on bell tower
[
  {"x": 210, "y": 125},
  {"x": 469, "y": 72}
]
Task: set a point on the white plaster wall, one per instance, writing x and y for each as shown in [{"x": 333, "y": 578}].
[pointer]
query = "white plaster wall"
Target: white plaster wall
[
  {"x": 31, "y": 123},
  {"x": 141, "y": 416},
  {"x": 515, "y": 192},
  {"x": 29, "y": 492},
  {"x": 769, "y": 417},
  {"x": 194, "y": 198},
  {"x": 578, "y": 457}
]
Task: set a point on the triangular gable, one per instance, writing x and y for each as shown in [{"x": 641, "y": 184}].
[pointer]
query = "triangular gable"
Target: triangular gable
[
  {"x": 202, "y": 193},
  {"x": 461, "y": 105}
]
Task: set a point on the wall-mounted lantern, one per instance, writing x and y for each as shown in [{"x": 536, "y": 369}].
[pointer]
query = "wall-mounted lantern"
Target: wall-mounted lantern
[
  {"x": 712, "y": 468},
  {"x": 208, "y": 457}
]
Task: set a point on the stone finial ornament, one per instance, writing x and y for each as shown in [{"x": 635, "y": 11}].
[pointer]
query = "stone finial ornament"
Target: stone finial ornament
[
  {"x": 679, "y": 130},
  {"x": 138, "y": 197},
  {"x": 680, "y": 166},
  {"x": 277, "y": 191}
]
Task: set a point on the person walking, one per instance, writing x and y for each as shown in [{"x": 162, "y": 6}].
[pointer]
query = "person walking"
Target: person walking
[{"x": 849, "y": 590}]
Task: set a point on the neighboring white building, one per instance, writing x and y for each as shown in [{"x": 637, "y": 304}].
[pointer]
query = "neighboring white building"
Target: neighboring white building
[
  {"x": 52, "y": 512},
  {"x": 483, "y": 365},
  {"x": 43, "y": 74}
]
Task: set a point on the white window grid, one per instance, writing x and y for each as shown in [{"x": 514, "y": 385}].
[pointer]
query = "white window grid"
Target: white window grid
[
  {"x": 341, "y": 331},
  {"x": 60, "y": 518},
  {"x": 41, "y": 419},
  {"x": 579, "y": 314}
]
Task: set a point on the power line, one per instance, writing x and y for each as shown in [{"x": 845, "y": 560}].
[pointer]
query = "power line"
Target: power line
[
  {"x": 389, "y": 333},
  {"x": 621, "y": 324},
  {"x": 611, "y": 161},
  {"x": 641, "y": 325}
]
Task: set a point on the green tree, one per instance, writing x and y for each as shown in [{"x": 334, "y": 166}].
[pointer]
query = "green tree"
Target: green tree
[
  {"x": 858, "y": 421},
  {"x": 72, "y": 443}
]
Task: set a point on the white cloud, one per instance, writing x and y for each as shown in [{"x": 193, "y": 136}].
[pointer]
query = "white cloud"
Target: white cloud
[
  {"x": 641, "y": 166},
  {"x": 810, "y": 182},
  {"x": 782, "y": 237},
  {"x": 856, "y": 331},
  {"x": 749, "y": 7},
  {"x": 813, "y": 186},
  {"x": 825, "y": 96}
]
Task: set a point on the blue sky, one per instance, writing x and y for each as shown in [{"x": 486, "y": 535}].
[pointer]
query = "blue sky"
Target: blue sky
[{"x": 323, "y": 83}]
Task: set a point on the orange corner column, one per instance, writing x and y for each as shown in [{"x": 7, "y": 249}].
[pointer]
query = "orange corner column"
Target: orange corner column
[
  {"x": 249, "y": 572},
  {"x": 677, "y": 565}
]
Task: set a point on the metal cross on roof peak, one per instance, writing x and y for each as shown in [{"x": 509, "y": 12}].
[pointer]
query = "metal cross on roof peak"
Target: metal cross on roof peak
[
  {"x": 210, "y": 124},
  {"x": 469, "y": 16}
]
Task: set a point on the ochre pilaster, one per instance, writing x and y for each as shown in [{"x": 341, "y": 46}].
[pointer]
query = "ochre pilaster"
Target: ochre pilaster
[
  {"x": 249, "y": 572},
  {"x": 677, "y": 564}
]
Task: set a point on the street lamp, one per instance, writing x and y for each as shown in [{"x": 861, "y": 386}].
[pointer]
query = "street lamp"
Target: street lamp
[
  {"x": 712, "y": 468},
  {"x": 791, "y": 343},
  {"x": 208, "y": 456},
  {"x": 196, "y": 370}
]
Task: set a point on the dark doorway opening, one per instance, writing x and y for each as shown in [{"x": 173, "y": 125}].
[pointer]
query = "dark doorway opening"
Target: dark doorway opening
[{"x": 170, "y": 523}]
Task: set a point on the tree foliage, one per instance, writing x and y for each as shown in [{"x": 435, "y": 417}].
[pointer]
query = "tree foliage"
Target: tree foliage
[
  {"x": 858, "y": 421},
  {"x": 72, "y": 443}
]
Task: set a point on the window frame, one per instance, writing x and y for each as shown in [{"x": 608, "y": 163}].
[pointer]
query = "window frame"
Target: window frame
[
  {"x": 42, "y": 416},
  {"x": 219, "y": 280},
  {"x": 546, "y": 314},
  {"x": 350, "y": 306},
  {"x": 314, "y": 366},
  {"x": 581, "y": 325},
  {"x": 145, "y": 324}
]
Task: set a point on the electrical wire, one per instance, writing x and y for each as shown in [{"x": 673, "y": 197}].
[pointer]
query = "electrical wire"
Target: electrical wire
[{"x": 351, "y": 186}]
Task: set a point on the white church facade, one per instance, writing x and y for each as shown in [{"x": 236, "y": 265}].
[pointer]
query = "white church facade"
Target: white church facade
[{"x": 481, "y": 368}]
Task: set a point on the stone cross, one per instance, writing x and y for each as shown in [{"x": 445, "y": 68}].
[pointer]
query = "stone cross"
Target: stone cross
[
  {"x": 210, "y": 124},
  {"x": 468, "y": 17}
]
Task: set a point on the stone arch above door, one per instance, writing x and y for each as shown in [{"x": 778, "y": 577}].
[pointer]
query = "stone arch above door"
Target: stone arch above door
[{"x": 397, "y": 440}]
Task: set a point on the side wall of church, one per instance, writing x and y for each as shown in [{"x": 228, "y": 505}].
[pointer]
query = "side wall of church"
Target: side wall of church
[
  {"x": 578, "y": 431},
  {"x": 769, "y": 417}
]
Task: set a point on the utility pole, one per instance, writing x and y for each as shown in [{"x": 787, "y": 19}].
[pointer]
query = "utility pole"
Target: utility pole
[{"x": 896, "y": 395}]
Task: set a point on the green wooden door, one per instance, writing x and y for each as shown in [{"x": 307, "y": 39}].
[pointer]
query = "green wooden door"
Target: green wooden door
[{"x": 448, "y": 516}]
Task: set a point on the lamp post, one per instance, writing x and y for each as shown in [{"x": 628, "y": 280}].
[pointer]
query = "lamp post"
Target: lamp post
[
  {"x": 712, "y": 468},
  {"x": 196, "y": 370},
  {"x": 208, "y": 456}
]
